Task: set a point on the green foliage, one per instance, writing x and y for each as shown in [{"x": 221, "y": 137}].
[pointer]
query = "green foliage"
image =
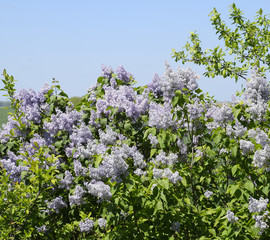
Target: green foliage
[
  {"x": 75, "y": 100},
  {"x": 248, "y": 42}
]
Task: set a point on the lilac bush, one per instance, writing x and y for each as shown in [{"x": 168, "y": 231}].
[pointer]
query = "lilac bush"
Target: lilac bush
[{"x": 161, "y": 161}]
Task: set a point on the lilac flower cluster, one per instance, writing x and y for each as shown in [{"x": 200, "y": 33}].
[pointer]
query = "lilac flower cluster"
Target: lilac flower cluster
[
  {"x": 99, "y": 189},
  {"x": 63, "y": 121},
  {"x": 124, "y": 99},
  {"x": 162, "y": 159},
  {"x": 261, "y": 158},
  {"x": 66, "y": 181},
  {"x": 257, "y": 205},
  {"x": 195, "y": 110},
  {"x": 260, "y": 136},
  {"x": 123, "y": 75},
  {"x": 246, "y": 147},
  {"x": 260, "y": 221},
  {"x": 167, "y": 173},
  {"x": 86, "y": 225},
  {"x": 208, "y": 194},
  {"x": 176, "y": 226},
  {"x": 153, "y": 139},
  {"x": 10, "y": 164},
  {"x": 173, "y": 81},
  {"x": 257, "y": 88},
  {"x": 237, "y": 130},
  {"x": 77, "y": 197},
  {"x": 32, "y": 104},
  {"x": 56, "y": 204},
  {"x": 230, "y": 216},
  {"x": 102, "y": 223},
  {"x": 160, "y": 116}
]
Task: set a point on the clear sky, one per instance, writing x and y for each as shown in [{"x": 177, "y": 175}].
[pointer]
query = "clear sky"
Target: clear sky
[{"x": 70, "y": 39}]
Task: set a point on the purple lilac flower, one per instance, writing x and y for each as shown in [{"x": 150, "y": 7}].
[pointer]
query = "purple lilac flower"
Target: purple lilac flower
[
  {"x": 175, "y": 226},
  {"x": 260, "y": 136},
  {"x": 102, "y": 223},
  {"x": 195, "y": 110},
  {"x": 153, "y": 139},
  {"x": 160, "y": 116},
  {"x": 11, "y": 167},
  {"x": 260, "y": 222},
  {"x": 208, "y": 194},
  {"x": 80, "y": 135},
  {"x": 257, "y": 205},
  {"x": 99, "y": 189},
  {"x": 261, "y": 158},
  {"x": 257, "y": 88},
  {"x": 66, "y": 181},
  {"x": 123, "y": 75},
  {"x": 230, "y": 216},
  {"x": 109, "y": 137},
  {"x": 162, "y": 159},
  {"x": 32, "y": 103},
  {"x": 79, "y": 169},
  {"x": 63, "y": 121},
  {"x": 57, "y": 204},
  {"x": 86, "y": 225},
  {"x": 77, "y": 197},
  {"x": 106, "y": 71},
  {"x": 246, "y": 146}
]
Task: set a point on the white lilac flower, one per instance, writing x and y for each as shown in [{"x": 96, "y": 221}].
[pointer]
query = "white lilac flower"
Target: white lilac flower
[
  {"x": 63, "y": 121},
  {"x": 176, "y": 226},
  {"x": 208, "y": 194},
  {"x": 257, "y": 88},
  {"x": 77, "y": 197},
  {"x": 162, "y": 159},
  {"x": 260, "y": 136},
  {"x": 260, "y": 221},
  {"x": 57, "y": 204},
  {"x": 261, "y": 157},
  {"x": 86, "y": 225},
  {"x": 153, "y": 139},
  {"x": 140, "y": 172},
  {"x": 160, "y": 116},
  {"x": 99, "y": 189},
  {"x": 230, "y": 216},
  {"x": 246, "y": 146},
  {"x": 43, "y": 228},
  {"x": 257, "y": 205},
  {"x": 109, "y": 137},
  {"x": 66, "y": 181},
  {"x": 102, "y": 223}
]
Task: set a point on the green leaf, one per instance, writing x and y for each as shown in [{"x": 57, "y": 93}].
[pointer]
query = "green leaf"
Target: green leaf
[
  {"x": 234, "y": 169},
  {"x": 249, "y": 186},
  {"x": 164, "y": 183}
]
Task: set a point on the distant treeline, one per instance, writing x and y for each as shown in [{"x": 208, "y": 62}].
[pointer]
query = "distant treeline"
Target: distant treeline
[{"x": 4, "y": 104}]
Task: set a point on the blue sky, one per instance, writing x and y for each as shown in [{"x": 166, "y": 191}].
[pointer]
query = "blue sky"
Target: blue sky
[{"x": 70, "y": 40}]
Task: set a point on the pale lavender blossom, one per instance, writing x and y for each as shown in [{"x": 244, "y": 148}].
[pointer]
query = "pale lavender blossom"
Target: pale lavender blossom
[
  {"x": 66, "y": 181},
  {"x": 56, "y": 204},
  {"x": 260, "y": 222},
  {"x": 99, "y": 189},
  {"x": 230, "y": 216},
  {"x": 102, "y": 223},
  {"x": 246, "y": 146},
  {"x": 175, "y": 226},
  {"x": 43, "y": 229},
  {"x": 77, "y": 197},
  {"x": 257, "y": 205},
  {"x": 160, "y": 116},
  {"x": 259, "y": 135},
  {"x": 123, "y": 75},
  {"x": 153, "y": 139},
  {"x": 208, "y": 194},
  {"x": 86, "y": 225},
  {"x": 163, "y": 159},
  {"x": 261, "y": 157}
]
